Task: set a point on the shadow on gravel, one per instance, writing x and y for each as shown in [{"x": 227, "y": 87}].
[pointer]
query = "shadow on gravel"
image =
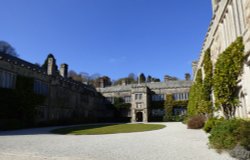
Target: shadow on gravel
[{"x": 47, "y": 130}]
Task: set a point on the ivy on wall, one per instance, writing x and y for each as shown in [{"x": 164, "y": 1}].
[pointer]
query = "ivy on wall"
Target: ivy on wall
[
  {"x": 228, "y": 68},
  {"x": 200, "y": 92},
  {"x": 157, "y": 104},
  {"x": 205, "y": 101},
  {"x": 195, "y": 95},
  {"x": 120, "y": 104},
  {"x": 208, "y": 79},
  {"x": 162, "y": 104},
  {"x": 170, "y": 104},
  {"x": 180, "y": 103},
  {"x": 18, "y": 106}
]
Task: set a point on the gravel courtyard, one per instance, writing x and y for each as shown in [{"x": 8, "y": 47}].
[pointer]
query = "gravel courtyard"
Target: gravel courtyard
[{"x": 174, "y": 142}]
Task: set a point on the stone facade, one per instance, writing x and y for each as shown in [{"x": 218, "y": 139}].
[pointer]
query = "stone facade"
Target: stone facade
[
  {"x": 142, "y": 97},
  {"x": 65, "y": 98},
  {"x": 231, "y": 19}
]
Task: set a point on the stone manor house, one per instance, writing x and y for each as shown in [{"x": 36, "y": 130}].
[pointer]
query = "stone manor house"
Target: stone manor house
[
  {"x": 66, "y": 98},
  {"x": 231, "y": 19}
]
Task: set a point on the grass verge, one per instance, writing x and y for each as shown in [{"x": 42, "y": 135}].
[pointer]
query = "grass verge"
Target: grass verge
[{"x": 107, "y": 129}]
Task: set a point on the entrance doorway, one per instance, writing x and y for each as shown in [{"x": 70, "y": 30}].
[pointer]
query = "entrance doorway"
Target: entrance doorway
[{"x": 139, "y": 117}]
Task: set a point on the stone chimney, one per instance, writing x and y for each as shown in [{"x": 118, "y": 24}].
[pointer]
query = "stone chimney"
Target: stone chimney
[
  {"x": 101, "y": 82},
  {"x": 64, "y": 70},
  {"x": 51, "y": 69},
  {"x": 169, "y": 78},
  {"x": 124, "y": 83}
]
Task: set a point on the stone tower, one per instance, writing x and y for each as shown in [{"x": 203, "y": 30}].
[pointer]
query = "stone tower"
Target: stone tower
[{"x": 140, "y": 103}]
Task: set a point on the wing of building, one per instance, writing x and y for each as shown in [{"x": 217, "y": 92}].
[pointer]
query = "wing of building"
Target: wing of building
[
  {"x": 66, "y": 99},
  {"x": 147, "y": 98},
  {"x": 231, "y": 19}
]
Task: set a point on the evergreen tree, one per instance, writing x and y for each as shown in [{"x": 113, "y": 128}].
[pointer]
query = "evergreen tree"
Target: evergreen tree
[{"x": 142, "y": 78}]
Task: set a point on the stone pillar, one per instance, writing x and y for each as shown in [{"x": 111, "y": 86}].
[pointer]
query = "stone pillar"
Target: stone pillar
[
  {"x": 194, "y": 67},
  {"x": 236, "y": 18},
  {"x": 241, "y": 15},
  {"x": 225, "y": 33},
  {"x": 223, "y": 44},
  {"x": 242, "y": 8},
  {"x": 231, "y": 22},
  {"x": 247, "y": 19},
  {"x": 245, "y": 114},
  {"x": 64, "y": 70},
  {"x": 227, "y": 25}
]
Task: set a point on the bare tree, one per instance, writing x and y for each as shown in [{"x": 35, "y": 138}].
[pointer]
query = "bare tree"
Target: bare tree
[{"x": 72, "y": 74}]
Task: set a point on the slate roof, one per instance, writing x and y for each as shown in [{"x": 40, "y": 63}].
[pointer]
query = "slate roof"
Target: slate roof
[
  {"x": 18, "y": 61},
  {"x": 155, "y": 85},
  {"x": 35, "y": 68}
]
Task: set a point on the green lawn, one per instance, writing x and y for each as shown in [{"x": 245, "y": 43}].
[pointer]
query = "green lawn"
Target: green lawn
[{"x": 107, "y": 129}]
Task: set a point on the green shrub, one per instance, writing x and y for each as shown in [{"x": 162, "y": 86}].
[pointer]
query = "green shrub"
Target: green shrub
[
  {"x": 177, "y": 118},
  {"x": 226, "y": 134},
  {"x": 244, "y": 131},
  {"x": 196, "y": 122},
  {"x": 185, "y": 120},
  {"x": 211, "y": 123}
]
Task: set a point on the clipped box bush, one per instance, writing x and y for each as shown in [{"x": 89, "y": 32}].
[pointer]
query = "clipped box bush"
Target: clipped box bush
[{"x": 196, "y": 122}]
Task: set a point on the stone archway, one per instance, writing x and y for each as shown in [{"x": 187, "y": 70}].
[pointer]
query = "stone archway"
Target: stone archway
[{"x": 139, "y": 117}]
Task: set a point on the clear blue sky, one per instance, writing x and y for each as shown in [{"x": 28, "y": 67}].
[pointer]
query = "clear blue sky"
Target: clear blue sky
[{"x": 110, "y": 37}]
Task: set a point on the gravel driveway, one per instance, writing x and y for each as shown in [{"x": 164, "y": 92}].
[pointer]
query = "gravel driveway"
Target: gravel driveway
[{"x": 174, "y": 142}]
